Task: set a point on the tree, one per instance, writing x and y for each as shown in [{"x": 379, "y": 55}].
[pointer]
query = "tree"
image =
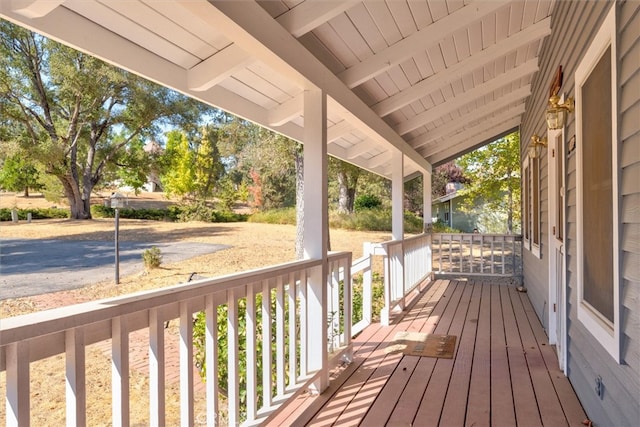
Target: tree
[
  {"x": 67, "y": 109},
  {"x": 444, "y": 174},
  {"x": 19, "y": 174},
  {"x": 347, "y": 176},
  {"x": 178, "y": 178},
  {"x": 494, "y": 174}
]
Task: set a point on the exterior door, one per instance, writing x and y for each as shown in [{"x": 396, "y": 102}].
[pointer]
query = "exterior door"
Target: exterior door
[{"x": 557, "y": 277}]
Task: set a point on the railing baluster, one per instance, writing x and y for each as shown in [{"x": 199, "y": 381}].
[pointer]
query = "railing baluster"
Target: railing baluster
[
  {"x": 156, "y": 369},
  {"x": 75, "y": 378},
  {"x": 280, "y": 349},
  {"x": 503, "y": 258},
  {"x": 186, "y": 364},
  {"x": 493, "y": 252},
  {"x": 233, "y": 376},
  {"x": 346, "y": 333},
  {"x": 251, "y": 351},
  {"x": 211, "y": 343},
  {"x": 18, "y": 405},
  {"x": 120, "y": 371},
  {"x": 293, "y": 339},
  {"x": 266, "y": 344},
  {"x": 304, "y": 324}
]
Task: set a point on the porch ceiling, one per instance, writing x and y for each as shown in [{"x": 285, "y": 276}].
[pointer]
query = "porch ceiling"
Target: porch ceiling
[{"x": 432, "y": 78}]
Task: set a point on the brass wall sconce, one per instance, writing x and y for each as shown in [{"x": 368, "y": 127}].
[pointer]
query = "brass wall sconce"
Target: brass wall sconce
[
  {"x": 535, "y": 148},
  {"x": 557, "y": 113}
]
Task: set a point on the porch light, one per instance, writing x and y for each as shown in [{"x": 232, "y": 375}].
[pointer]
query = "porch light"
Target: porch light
[
  {"x": 557, "y": 113},
  {"x": 535, "y": 148}
]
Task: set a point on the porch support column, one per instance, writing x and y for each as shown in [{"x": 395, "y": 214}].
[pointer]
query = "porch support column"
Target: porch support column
[
  {"x": 397, "y": 229},
  {"x": 316, "y": 230},
  {"x": 426, "y": 217},
  {"x": 397, "y": 195}
]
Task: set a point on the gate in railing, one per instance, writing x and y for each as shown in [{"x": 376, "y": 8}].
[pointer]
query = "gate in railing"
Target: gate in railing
[
  {"x": 473, "y": 254},
  {"x": 270, "y": 305}
]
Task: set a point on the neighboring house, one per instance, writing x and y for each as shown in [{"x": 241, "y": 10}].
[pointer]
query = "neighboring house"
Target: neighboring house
[
  {"x": 581, "y": 200},
  {"x": 447, "y": 210}
]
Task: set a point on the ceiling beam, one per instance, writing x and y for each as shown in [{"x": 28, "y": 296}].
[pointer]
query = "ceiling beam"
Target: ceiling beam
[
  {"x": 476, "y": 114},
  {"x": 309, "y": 15},
  {"x": 464, "y": 98},
  {"x": 417, "y": 42},
  {"x": 251, "y": 27},
  {"x": 217, "y": 67},
  {"x": 286, "y": 111},
  {"x": 469, "y": 133},
  {"x": 380, "y": 159},
  {"x": 34, "y": 8},
  {"x": 478, "y": 141},
  {"x": 336, "y": 131},
  {"x": 359, "y": 149},
  {"x": 458, "y": 70}
]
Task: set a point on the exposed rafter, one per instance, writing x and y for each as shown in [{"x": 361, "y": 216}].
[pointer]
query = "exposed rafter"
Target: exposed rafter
[
  {"x": 464, "y": 98},
  {"x": 286, "y": 111},
  {"x": 34, "y": 8},
  {"x": 476, "y": 114},
  {"x": 418, "y": 41},
  {"x": 216, "y": 68},
  {"x": 479, "y": 140},
  {"x": 456, "y": 71},
  {"x": 308, "y": 15}
]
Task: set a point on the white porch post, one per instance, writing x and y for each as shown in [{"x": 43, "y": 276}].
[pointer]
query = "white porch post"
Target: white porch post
[
  {"x": 316, "y": 229},
  {"x": 426, "y": 200},
  {"x": 397, "y": 226}
]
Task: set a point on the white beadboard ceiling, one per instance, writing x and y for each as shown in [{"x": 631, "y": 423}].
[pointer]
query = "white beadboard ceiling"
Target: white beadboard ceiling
[{"x": 432, "y": 78}]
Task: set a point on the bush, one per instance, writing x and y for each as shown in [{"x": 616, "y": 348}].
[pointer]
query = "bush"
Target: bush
[
  {"x": 40, "y": 213},
  {"x": 374, "y": 220},
  {"x": 182, "y": 213},
  {"x": 152, "y": 257},
  {"x": 367, "y": 201}
]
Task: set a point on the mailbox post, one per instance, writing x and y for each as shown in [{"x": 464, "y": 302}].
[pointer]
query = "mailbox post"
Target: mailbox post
[{"x": 117, "y": 201}]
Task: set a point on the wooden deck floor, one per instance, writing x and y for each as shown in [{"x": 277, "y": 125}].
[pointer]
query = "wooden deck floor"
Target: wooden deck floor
[{"x": 504, "y": 372}]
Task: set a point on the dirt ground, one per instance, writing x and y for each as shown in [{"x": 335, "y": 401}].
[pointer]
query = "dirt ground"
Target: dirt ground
[{"x": 252, "y": 246}]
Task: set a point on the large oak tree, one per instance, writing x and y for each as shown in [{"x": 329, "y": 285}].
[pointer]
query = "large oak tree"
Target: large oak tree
[{"x": 76, "y": 115}]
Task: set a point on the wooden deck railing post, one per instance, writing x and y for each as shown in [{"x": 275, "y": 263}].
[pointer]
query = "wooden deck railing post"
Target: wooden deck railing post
[{"x": 75, "y": 378}]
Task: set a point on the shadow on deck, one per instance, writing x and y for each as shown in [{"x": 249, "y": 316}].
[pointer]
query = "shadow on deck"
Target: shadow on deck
[{"x": 504, "y": 372}]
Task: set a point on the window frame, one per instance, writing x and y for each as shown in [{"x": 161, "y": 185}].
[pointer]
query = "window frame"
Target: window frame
[
  {"x": 607, "y": 333},
  {"x": 532, "y": 205}
]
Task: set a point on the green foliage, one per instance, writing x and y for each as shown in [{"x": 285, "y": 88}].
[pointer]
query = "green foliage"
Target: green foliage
[
  {"x": 374, "y": 220},
  {"x": 494, "y": 173},
  {"x": 79, "y": 118},
  {"x": 442, "y": 227},
  {"x": 40, "y": 213},
  {"x": 18, "y": 173},
  {"x": 152, "y": 257},
  {"x": 101, "y": 211},
  {"x": 367, "y": 201},
  {"x": 179, "y": 175},
  {"x": 178, "y": 213}
]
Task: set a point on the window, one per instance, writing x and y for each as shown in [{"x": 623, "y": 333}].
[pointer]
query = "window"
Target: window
[
  {"x": 598, "y": 200},
  {"x": 531, "y": 199}
]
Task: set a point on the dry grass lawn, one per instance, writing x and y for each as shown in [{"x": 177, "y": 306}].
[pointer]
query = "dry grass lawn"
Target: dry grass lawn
[{"x": 252, "y": 246}]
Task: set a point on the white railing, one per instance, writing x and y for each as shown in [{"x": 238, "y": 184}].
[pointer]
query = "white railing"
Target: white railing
[
  {"x": 407, "y": 265},
  {"x": 473, "y": 254},
  {"x": 273, "y": 305}
]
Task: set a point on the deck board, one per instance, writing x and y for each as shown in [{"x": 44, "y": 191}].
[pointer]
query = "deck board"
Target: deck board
[{"x": 503, "y": 372}]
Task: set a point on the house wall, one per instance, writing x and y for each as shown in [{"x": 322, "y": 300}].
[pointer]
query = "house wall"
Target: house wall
[{"x": 574, "y": 25}]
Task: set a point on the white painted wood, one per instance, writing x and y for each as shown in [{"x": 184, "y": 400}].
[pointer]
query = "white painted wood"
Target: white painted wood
[
  {"x": 120, "y": 371},
  {"x": 251, "y": 353},
  {"x": 76, "y": 394},
  {"x": 266, "y": 338},
  {"x": 434, "y": 113},
  {"x": 286, "y": 111},
  {"x": 338, "y": 130},
  {"x": 216, "y": 68},
  {"x": 308, "y": 15},
  {"x": 233, "y": 374},
  {"x": 426, "y": 202},
  {"x": 555, "y": 143},
  {"x": 379, "y": 160},
  {"x": 483, "y": 137},
  {"x": 315, "y": 230},
  {"x": 280, "y": 339},
  {"x": 397, "y": 196},
  {"x": 17, "y": 380},
  {"x": 34, "y": 8},
  {"x": 304, "y": 322},
  {"x": 294, "y": 323},
  {"x": 211, "y": 357},
  {"x": 186, "y": 365},
  {"x": 404, "y": 49},
  {"x": 489, "y": 109},
  {"x": 156, "y": 369}
]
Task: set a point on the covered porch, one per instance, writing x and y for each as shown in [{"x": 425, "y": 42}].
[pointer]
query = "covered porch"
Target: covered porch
[{"x": 503, "y": 373}]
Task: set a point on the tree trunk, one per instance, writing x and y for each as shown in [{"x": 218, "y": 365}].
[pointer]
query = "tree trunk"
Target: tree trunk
[
  {"x": 347, "y": 193},
  {"x": 299, "y": 161},
  {"x": 26, "y": 191},
  {"x": 80, "y": 208}
]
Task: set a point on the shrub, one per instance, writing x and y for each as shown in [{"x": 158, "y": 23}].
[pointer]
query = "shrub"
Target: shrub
[
  {"x": 40, "y": 213},
  {"x": 152, "y": 257},
  {"x": 367, "y": 201},
  {"x": 275, "y": 216}
]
